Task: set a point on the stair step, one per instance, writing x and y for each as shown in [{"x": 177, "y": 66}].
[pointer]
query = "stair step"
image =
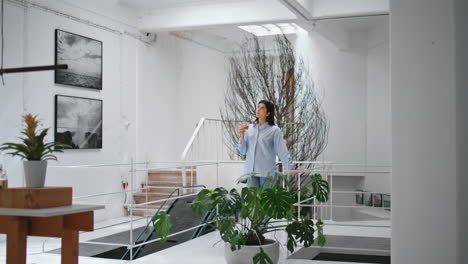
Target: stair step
[
  {"x": 166, "y": 177},
  {"x": 166, "y": 183},
  {"x": 164, "y": 189},
  {"x": 173, "y": 172},
  {"x": 158, "y": 179},
  {"x": 152, "y": 196}
]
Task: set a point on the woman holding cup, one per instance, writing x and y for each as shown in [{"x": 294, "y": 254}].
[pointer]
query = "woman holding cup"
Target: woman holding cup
[{"x": 262, "y": 142}]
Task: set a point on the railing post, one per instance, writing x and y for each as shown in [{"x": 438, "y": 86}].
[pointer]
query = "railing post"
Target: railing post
[
  {"x": 298, "y": 195},
  {"x": 146, "y": 189},
  {"x": 331, "y": 196},
  {"x": 132, "y": 175},
  {"x": 184, "y": 176}
]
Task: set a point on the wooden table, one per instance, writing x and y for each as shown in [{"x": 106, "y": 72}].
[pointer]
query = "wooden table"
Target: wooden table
[{"x": 62, "y": 221}]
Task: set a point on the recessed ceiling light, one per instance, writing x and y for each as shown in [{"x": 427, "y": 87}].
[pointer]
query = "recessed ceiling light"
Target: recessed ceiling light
[{"x": 272, "y": 29}]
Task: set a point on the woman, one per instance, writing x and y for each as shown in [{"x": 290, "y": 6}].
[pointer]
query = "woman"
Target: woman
[{"x": 262, "y": 142}]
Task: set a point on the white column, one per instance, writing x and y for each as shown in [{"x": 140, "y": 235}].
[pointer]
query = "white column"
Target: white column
[{"x": 424, "y": 183}]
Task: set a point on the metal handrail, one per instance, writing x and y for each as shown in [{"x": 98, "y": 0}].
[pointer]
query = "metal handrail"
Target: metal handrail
[
  {"x": 192, "y": 138},
  {"x": 157, "y": 211}
]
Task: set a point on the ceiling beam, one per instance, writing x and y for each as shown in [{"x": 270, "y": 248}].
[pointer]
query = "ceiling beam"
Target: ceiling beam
[
  {"x": 313, "y": 10},
  {"x": 299, "y": 8},
  {"x": 210, "y": 15}
]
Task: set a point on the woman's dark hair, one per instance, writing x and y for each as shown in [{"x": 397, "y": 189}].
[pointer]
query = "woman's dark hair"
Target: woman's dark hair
[{"x": 270, "y": 109}]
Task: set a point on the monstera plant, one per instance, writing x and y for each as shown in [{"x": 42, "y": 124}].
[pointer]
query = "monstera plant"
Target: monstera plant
[{"x": 243, "y": 218}]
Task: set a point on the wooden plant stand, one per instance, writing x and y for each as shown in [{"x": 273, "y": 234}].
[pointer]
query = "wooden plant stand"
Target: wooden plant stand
[{"x": 43, "y": 212}]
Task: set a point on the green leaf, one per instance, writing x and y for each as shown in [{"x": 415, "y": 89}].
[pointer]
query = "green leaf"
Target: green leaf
[
  {"x": 162, "y": 224},
  {"x": 237, "y": 239},
  {"x": 284, "y": 178},
  {"x": 292, "y": 244},
  {"x": 320, "y": 188},
  {"x": 226, "y": 229},
  {"x": 278, "y": 203},
  {"x": 33, "y": 146},
  {"x": 320, "y": 237},
  {"x": 202, "y": 203},
  {"x": 262, "y": 258},
  {"x": 302, "y": 231},
  {"x": 251, "y": 206},
  {"x": 227, "y": 202}
]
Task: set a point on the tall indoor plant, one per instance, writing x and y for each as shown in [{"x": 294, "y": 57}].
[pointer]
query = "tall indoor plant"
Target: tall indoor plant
[
  {"x": 244, "y": 218},
  {"x": 33, "y": 151}
]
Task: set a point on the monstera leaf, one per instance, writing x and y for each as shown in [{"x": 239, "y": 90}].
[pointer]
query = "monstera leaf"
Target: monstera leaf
[
  {"x": 277, "y": 202},
  {"x": 162, "y": 224},
  {"x": 302, "y": 231},
  {"x": 203, "y": 202},
  {"x": 227, "y": 202},
  {"x": 251, "y": 202},
  {"x": 320, "y": 188}
]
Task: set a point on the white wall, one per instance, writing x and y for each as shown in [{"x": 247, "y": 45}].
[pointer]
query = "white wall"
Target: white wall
[
  {"x": 378, "y": 114},
  {"x": 340, "y": 77},
  {"x": 187, "y": 82},
  {"x": 29, "y": 41},
  {"x": 355, "y": 87},
  {"x": 202, "y": 76},
  {"x": 157, "y": 107},
  {"x": 424, "y": 182}
]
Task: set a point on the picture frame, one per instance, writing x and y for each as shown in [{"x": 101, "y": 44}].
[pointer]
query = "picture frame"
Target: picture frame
[
  {"x": 359, "y": 196},
  {"x": 78, "y": 122},
  {"x": 386, "y": 201},
  {"x": 83, "y": 55},
  {"x": 367, "y": 199},
  {"x": 377, "y": 199}
]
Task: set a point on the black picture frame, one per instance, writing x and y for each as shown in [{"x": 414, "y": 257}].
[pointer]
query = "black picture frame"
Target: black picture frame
[
  {"x": 84, "y": 57},
  {"x": 78, "y": 122},
  {"x": 359, "y": 196},
  {"x": 386, "y": 201},
  {"x": 367, "y": 199},
  {"x": 377, "y": 199}
]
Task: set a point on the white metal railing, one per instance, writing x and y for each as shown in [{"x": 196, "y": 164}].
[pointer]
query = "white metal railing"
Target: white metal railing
[
  {"x": 128, "y": 204},
  {"x": 327, "y": 169},
  {"x": 331, "y": 171}
]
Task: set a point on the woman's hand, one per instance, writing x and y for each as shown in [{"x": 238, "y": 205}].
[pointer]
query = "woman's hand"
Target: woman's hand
[{"x": 243, "y": 128}]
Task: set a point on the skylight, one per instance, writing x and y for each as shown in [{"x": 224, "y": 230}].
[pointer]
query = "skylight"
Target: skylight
[{"x": 272, "y": 29}]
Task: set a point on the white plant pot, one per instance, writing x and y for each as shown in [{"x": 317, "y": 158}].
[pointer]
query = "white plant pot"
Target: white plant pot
[
  {"x": 34, "y": 173},
  {"x": 246, "y": 253}
]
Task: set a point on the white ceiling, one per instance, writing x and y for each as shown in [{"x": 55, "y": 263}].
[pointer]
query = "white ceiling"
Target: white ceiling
[
  {"x": 216, "y": 21},
  {"x": 145, "y": 5}
]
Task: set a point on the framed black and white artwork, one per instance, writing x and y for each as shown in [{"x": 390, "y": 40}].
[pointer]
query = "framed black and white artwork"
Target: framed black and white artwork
[
  {"x": 78, "y": 122},
  {"x": 377, "y": 199},
  {"x": 83, "y": 56}
]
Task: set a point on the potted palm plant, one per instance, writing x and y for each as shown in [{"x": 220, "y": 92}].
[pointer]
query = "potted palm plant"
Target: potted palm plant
[
  {"x": 33, "y": 151},
  {"x": 244, "y": 218}
]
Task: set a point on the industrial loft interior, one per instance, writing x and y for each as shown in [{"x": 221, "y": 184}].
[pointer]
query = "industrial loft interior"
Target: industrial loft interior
[{"x": 233, "y": 131}]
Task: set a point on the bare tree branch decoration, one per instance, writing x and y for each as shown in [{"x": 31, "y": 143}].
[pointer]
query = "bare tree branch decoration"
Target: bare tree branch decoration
[{"x": 279, "y": 76}]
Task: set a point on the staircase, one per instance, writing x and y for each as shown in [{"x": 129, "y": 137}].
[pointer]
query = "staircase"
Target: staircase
[{"x": 159, "y": 186}]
